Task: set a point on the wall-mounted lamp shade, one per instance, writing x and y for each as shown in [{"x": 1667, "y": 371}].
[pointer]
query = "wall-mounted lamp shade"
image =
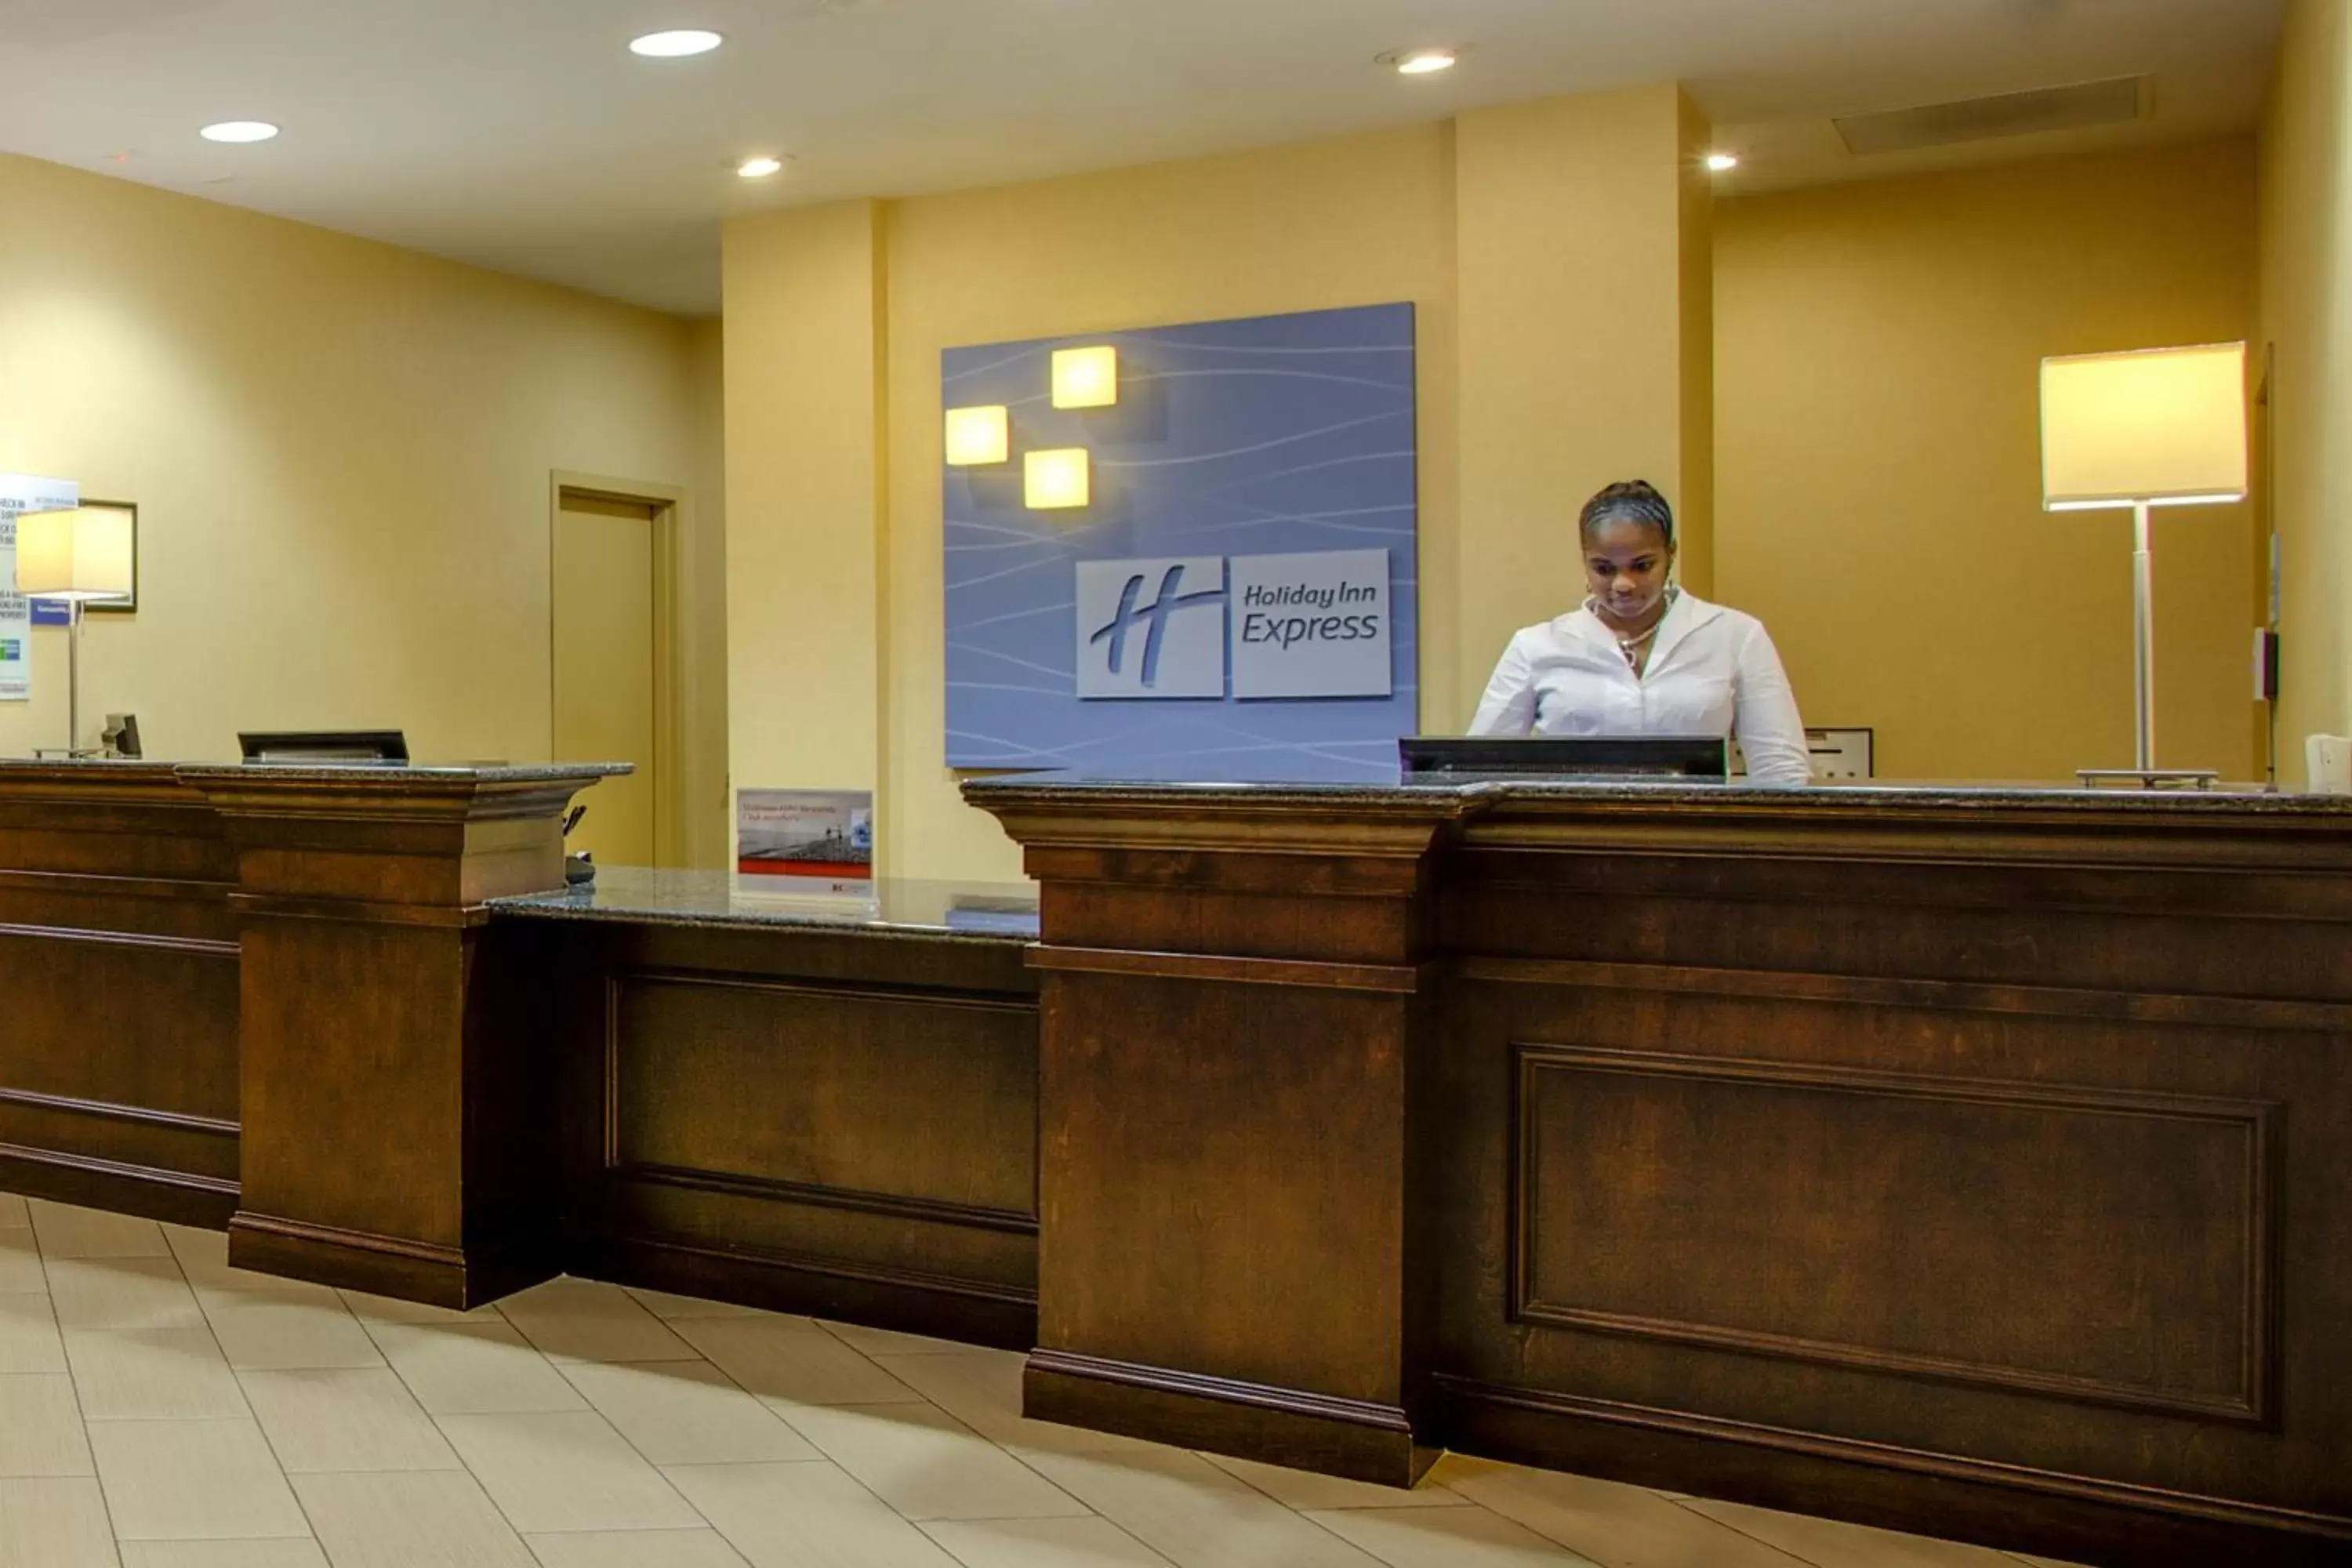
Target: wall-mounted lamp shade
[
  {"x": 977, "y": 436},
  {"x": 1085, "y": 378},
  {"x": 73, "y": 555},
  {"x": 2159, "y": 427},
  {"x": 1056, "y": 478}
]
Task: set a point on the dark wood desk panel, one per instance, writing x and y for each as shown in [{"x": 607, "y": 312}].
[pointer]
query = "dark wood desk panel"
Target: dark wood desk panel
[
  {"x": 117, "y": 992},
  {"x": 1972, "y": 1163},
  {"x": 813, "y": 1118}
]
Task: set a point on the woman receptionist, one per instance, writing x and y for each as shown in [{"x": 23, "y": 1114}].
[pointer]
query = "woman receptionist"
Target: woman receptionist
[{"x": 1643, "y": 658}]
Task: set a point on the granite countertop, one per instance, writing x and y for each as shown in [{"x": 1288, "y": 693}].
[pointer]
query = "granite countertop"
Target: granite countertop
[
  {"x": 488, "y": 773},
  {"x": 984, "y": 912},
  {"x": 1476, "y": 797}
]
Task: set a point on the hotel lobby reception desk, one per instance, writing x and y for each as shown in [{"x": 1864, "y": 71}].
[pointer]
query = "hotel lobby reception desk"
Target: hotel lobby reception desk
[{"x": 1975, "y": 1163}]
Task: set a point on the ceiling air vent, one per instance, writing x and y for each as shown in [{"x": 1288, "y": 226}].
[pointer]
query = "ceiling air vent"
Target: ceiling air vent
[{"x": 2110, "y": 102}]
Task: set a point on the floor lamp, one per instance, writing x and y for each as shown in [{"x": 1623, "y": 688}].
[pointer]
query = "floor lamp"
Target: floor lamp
[
  {"x": 81, "y": 557},
  {"x": 2149, "y": 429}
]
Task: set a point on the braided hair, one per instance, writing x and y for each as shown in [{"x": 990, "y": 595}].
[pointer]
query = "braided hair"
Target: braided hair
[{"x": 1629, "y": 501}]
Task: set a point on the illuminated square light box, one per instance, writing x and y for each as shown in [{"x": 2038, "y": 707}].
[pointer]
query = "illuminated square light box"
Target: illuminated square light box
[
  {"x": 1057, "y": 480},
  {"x": 977, "y": 436},
  {"x": 1085, "y": 378}
]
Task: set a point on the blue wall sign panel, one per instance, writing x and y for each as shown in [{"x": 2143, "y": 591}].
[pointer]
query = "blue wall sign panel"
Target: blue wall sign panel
[{"x": 1270, "y": 459}]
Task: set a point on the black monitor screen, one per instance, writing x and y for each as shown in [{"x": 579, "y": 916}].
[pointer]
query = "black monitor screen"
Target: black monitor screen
[
  {"x": 1565, "y": 757},
  {"x": 361, "y": 748}
]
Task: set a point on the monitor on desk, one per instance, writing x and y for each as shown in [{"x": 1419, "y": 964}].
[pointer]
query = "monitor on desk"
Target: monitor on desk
[
  {"x": 327, "y": 748},
  {"x": 1535, "y": 757}
]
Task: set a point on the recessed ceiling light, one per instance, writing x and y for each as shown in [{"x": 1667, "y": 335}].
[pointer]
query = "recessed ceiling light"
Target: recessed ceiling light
[
  {"x": 672, "y": 45},
  {"x": 1722, "y": 163},
  {"x": 760, "y": 168},
  {"x": 1419, "y": 62},
  {"x": 240, "y": 130}
]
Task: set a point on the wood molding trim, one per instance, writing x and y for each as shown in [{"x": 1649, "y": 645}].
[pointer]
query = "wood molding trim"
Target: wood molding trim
[
  {"x": 140, "y": 1115},
  {"x": 925, "y": 1210},
  {"x": 1939, "y": 995},
  {"x": 1398, "y": 980},
  {"x": 1470, "y": 1394}
]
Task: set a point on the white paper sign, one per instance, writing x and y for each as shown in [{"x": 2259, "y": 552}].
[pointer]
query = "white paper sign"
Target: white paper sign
[{"x": 21, "y": 494}]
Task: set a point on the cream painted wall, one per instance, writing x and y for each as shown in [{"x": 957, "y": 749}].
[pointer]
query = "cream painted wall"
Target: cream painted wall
[
  {"x": 2306, "y": 315},
  {"x": 1878, "y": 475},
  {"x": 340, "y": 452},
  {"x": 703, "y": 586},
  {"x": 804, "y": 498}
]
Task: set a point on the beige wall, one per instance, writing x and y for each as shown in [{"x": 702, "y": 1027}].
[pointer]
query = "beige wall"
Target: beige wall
[
  {"x": 703, "y": 586},
  {"x": 340, "y": 452},
  {"x": 2306, "y": 317},
  {"x": 1878, "y": 475},
  {"x": 835, "y": 591}
]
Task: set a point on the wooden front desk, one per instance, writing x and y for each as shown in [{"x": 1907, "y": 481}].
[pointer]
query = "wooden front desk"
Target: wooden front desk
[{"x": 1970, "y": 1162}]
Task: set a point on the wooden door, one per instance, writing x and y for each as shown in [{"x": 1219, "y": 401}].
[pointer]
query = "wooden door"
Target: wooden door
[{"x": 605, "y": 668}]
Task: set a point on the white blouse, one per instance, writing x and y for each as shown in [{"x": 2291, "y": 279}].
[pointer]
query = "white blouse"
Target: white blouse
[{"x": 1712, "y": 671}]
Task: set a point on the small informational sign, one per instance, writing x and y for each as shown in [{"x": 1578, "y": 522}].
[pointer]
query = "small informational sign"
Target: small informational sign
[
  {"x": 805, "y": 841},
  {"x": 19, "y": 494}
]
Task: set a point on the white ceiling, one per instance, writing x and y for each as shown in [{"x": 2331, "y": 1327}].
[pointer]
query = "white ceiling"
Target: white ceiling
[{"x": 522, "y": 135}]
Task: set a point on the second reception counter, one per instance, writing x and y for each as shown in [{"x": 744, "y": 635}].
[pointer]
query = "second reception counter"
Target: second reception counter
[{"x": 1978, "y": 1162}]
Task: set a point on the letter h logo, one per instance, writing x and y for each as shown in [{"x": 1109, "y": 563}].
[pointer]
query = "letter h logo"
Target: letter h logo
[{"x": 1180, "y": 649}]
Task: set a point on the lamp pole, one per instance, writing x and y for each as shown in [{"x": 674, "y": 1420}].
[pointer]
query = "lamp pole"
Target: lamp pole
[{"x": 2143, "y": 636}]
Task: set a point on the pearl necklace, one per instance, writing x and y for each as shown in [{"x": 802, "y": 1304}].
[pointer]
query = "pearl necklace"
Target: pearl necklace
[{"x": 1632, "y": 646}]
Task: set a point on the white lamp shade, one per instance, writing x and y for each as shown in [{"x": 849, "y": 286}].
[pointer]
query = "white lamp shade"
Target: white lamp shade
[
  {"x": 80, "y": 554},
  {"x": 2161, "y": 426}
]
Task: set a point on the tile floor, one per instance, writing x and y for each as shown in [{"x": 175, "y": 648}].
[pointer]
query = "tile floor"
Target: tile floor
[{"x": 159, "y": 1409}]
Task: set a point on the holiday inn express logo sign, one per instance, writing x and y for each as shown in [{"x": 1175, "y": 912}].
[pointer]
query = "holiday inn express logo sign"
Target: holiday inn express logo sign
[{"x": 1313, "y": 624}]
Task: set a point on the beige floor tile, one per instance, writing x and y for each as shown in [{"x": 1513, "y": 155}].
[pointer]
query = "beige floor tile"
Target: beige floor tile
[
  {"x": 436, "y": 1518},
  {"x": 1620, "y": 1526},
  {"x": 1043, "y": 1543},
  {"x": 687, "y": 1413},
  {"x": 203, "y": 1256},
  {"x": 635, "y": 1549},
  {"x": 20, "y": 1263},
  {"x": 927, "y": 1465},
  {"x": 804, "y": 1516},
  {"x": 565, "y": 1473},
  {"x": 889, "y": 1342},
  {"x": 664, "y": 1306},
  {"x": 122, "y": 1293},
  {"x": 982, "y": 1390},
  {"x": 14, "y": 1215},
  {"x": 55, "y": 1523},
  {"x": 284, "y": 1552},
  {"x": 1197, "y": 1516},
  {"x": 28, "y": 1336},
  {"x": 1831, "y": 1544},
  {"x": 192, "y": 1480},
  {"x": 1445, "y": 1538},
  {"x": 40, "y": 1429},
  {"x": 578, "y": 1319},
  {"x": 151, "y": 1375},
  {"x": 791, "y": 1362},
  {"x": 292, "y": 1336},
  {"x": 374, "y": 1309},
  {"x": 473, "y": 1369},
  {"x": 350, "y": 1418},
  {"x": 70, "y": 1232},
  {"x": 1304, "y": 1489}
]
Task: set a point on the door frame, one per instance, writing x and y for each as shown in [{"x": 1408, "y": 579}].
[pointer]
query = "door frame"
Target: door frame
[{"x": 671, "y": 509}]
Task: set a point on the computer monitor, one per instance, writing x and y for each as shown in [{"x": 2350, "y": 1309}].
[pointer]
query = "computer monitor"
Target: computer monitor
[
  {"x": 1501, "y": 759},
  {"x": 327, "y": 748},
  {"x": 120, "y": 735}
]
